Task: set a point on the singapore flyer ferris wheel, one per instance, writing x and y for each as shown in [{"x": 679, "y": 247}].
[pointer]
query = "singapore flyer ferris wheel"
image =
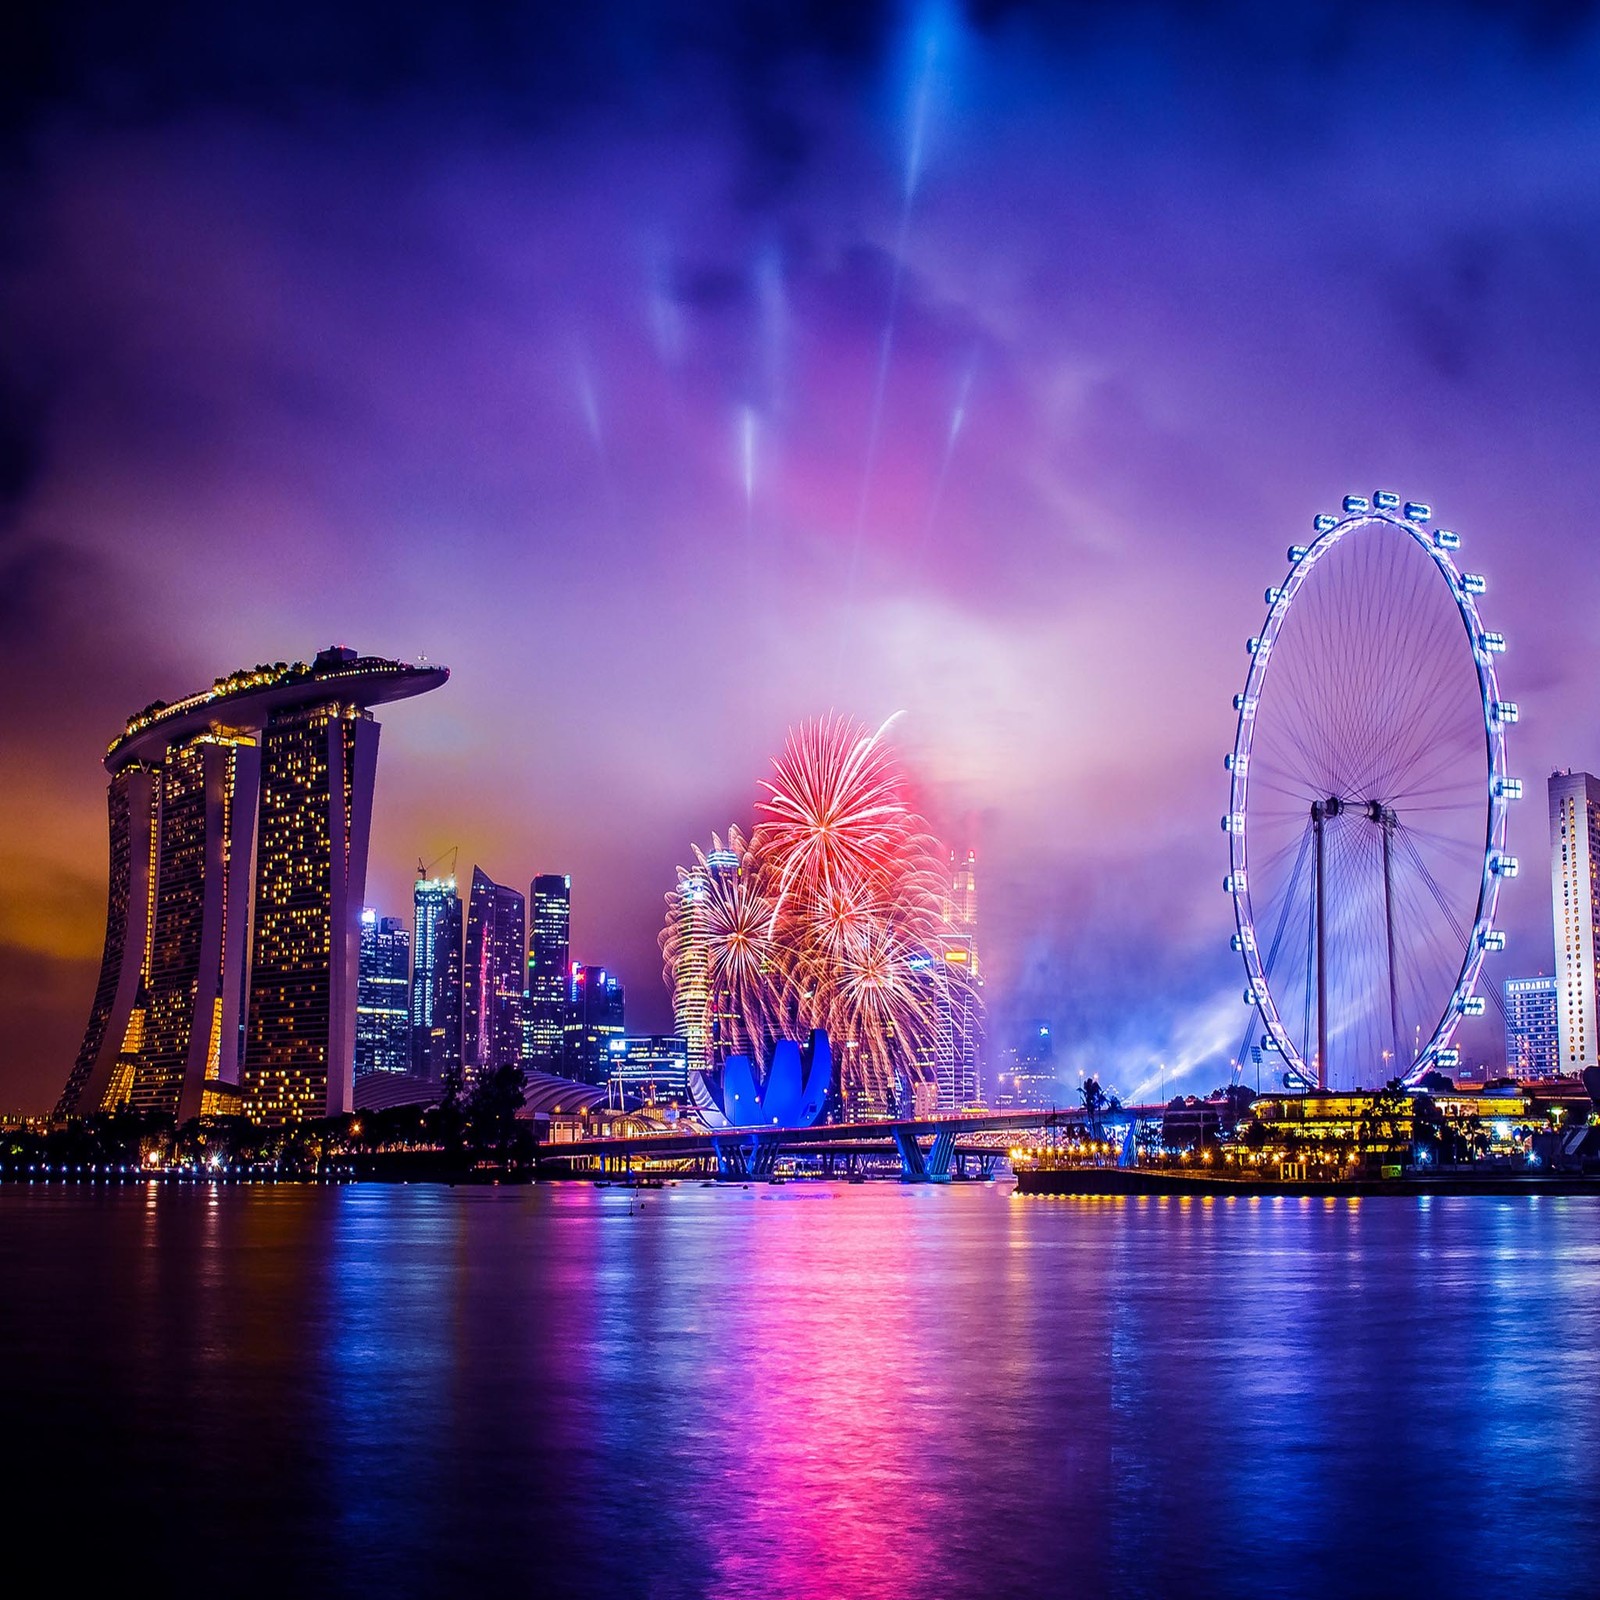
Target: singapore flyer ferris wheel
[{"x": 1368, "y": 800}]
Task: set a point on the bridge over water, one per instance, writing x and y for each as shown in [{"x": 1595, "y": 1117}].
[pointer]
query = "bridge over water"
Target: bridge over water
[{"x": 930, "y": 1149}]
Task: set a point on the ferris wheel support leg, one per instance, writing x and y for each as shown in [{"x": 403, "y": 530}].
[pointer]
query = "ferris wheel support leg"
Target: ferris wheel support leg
[
  {"x": 1388, "y": 926},
  {"x": 1317, "y": 823}
]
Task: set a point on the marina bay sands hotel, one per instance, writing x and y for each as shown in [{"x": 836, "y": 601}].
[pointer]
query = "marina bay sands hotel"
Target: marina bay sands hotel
[{"x": 239, "y": 826}]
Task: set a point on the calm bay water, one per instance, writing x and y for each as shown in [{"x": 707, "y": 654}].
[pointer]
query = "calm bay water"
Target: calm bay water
[{"x": 806, "y": 1390}]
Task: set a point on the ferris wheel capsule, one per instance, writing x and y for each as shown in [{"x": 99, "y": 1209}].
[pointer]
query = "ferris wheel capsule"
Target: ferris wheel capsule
[{"x": 1386, "y": 500}]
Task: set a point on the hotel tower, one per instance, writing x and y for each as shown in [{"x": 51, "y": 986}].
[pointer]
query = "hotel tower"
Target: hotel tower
[
  {"x": 239, "y": 820},
  {"x": 1575, "y": 901}
]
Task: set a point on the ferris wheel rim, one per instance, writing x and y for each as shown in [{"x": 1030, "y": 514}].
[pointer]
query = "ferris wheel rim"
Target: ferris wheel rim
[{"x": 1410, "y": 519}]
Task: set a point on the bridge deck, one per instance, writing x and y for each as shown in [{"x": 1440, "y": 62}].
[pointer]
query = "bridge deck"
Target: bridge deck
[{"x": 878, "y": 1135}]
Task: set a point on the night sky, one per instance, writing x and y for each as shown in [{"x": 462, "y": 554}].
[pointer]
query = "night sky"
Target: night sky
[{"x": 672, "y": 375}]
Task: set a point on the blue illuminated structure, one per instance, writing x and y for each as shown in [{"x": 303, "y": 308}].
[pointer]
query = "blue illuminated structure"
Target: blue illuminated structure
[{"x": 794, "y": 1095}]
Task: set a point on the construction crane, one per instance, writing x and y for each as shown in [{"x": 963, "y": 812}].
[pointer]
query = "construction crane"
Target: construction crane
[{"x": 425, "y": 870}]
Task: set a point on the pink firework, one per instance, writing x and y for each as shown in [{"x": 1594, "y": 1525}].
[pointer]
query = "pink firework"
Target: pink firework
[
  {"x": 838, "y": 820},
  {"x": 833, "y": 915}
]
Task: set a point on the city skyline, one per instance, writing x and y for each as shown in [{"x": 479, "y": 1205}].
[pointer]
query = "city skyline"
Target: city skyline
[{"x": 980, "y": 380}]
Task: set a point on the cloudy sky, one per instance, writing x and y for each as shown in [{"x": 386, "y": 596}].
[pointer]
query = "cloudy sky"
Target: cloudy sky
[{"x": 674, "y": 374}]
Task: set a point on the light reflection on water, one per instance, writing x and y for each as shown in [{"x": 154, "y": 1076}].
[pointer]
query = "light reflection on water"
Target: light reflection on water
[{"x": 852, "y": 1390}]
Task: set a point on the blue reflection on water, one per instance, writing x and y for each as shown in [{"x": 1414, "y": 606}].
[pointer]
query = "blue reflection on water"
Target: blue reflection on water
[{"x": 866, "y": 1390}]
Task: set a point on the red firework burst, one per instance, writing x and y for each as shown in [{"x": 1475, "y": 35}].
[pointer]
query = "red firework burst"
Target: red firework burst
[{"x": 831, "y": 916}]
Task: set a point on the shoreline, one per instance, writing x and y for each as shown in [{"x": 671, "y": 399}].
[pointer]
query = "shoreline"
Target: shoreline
[{"x": 1114, "y": 1181}]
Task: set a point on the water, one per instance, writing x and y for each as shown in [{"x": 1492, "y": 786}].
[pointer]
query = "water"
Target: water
[{"x": 807, "y": 1390}]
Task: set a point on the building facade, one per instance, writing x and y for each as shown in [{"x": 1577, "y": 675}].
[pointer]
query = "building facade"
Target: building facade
[
  {"x": 383, "y": 1009},
  {"x": 492, "y": 977},
  {"x": 691, "y": 1004},
  {"x": 195, "y": 967},
  {"x": 651, "y": 1068},
  {"x": 1575, "y": 904},
  {"x": 131, "y": 805},
  {"x": 1533, "y": 1029},
  {"x": 956, "y": 1070},
  {"x": 595, "y": 1018},
  {"x": 238, "y": 853},
  {"x": 436, "y": 980},
  {"x": 549, "y": 945},
  {"x": 705, "y": 1015},
  {"x": 1026, "y": 1075},
  {"x": 318, "y": 765}
]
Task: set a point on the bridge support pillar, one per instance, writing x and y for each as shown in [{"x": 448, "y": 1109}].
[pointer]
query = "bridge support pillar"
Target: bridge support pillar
[
  {"x": 913, "y": 1168},
  {"x": 730, "y": 1154}
]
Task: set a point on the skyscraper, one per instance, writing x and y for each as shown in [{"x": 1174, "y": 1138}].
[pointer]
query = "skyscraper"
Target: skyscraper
[
  {"x": 1027, "y": 1070},
  {"x": 238, "y": 852},
  {"x": 1575, "y": 903},
  {"x": 436, "y": 980},
  {"x": 691, "y": 1005},
  {"x": 709, "y": 1020},
  {"x": 595, "y": 1018},
  {"x": 1533, "y": 1033},
  {"x": 956, "y": 1070},
  {"x": 131, "y": 801},
  {"x": 549, "y": 935},
  {"x": 724, "y": 1019},
  {"x": 196, "y": 960},
  {"x": 492, "y": 977},
  {"x": 383, "y": 1016}
]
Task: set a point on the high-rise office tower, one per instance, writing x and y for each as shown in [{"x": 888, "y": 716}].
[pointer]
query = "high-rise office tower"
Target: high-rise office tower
[
  {"x": 691, "y": 1003},
  {"x": 549, "y": 935},
  {"x": 492, "y": 977},
  {"x": 961, "y": 1038},
  {"x": 707, "y": 1018},
  {"x": 383, "y": 1014},
  {"x": 238, "y": 851},
  {"x": 1533, "y": 1032},
  {"x": 1027, "y": 1071},
  {"x": 1575, "y": 902},
  {"x": 725, "y": 1023},
  {"x": 595, "y": 1018},
  {"x": 436, "y": 980}
]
